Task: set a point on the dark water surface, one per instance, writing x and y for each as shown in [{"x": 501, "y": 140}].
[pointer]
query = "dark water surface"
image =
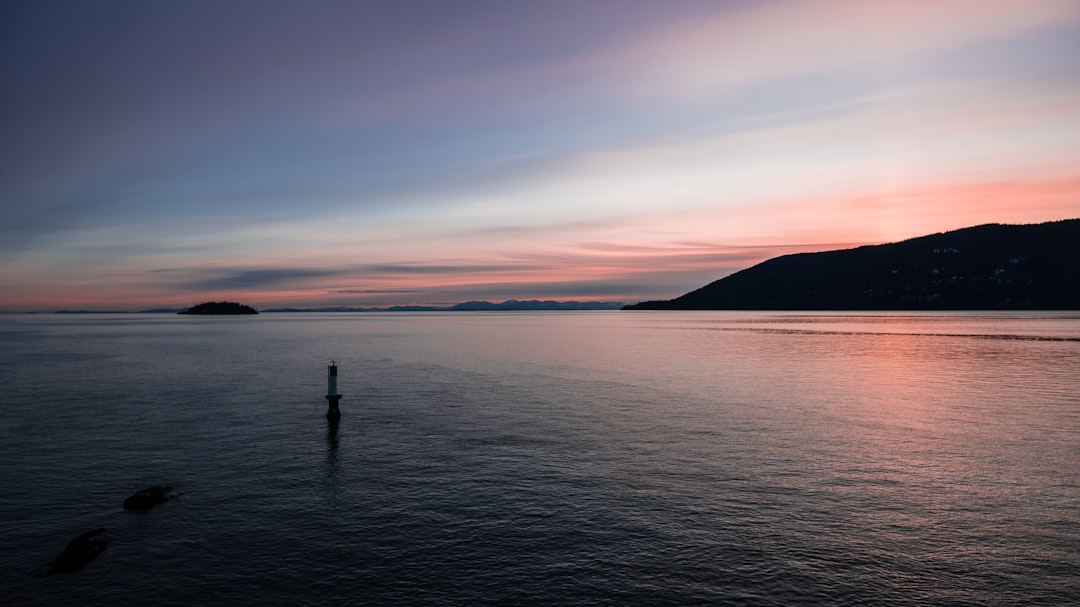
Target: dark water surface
[{"x": 714, "y": 458}]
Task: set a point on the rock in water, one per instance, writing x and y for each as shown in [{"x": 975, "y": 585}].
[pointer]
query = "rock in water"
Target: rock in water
[
  {"x": 148, "y": 498},
  {"x": 79, "y": 552}
]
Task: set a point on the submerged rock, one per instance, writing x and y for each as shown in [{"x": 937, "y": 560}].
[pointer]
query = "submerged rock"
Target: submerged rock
[
  {"x": 145, "y": 499},
  {"x": 79, "y": 552}
]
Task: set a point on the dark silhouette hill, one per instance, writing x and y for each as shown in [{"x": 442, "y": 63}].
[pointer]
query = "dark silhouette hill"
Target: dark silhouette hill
[
  {"x": 987, "y": 267},
  {"x": 220, "y": 307}
]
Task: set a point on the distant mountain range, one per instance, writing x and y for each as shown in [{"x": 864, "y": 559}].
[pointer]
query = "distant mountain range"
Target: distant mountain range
[
  {"x": 468, "y": 306},
  {"x": 987, "y": 267},
  {"x": 477, "y": 306}
]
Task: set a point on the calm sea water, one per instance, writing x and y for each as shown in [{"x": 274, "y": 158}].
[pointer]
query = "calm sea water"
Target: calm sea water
[{"x": 714, "y": 458}]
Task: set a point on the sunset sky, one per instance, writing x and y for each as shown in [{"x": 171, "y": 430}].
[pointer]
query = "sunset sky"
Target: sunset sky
[{"x": 374, "y": 153}]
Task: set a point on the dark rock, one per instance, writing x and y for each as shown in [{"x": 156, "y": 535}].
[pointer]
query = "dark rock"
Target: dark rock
[
  {"x": 145, "y": 499},
  {"x": 79, "y": 552}
]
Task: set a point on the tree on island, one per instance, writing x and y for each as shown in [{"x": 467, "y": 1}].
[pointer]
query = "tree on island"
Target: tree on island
[{"x": 220, "y": 307}]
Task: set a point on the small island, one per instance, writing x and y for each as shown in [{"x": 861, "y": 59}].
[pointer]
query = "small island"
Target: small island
[{"x": 220, "y": 307}]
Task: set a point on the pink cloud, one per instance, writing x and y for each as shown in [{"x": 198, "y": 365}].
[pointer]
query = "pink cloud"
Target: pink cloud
[{"x": 768, "y": 40}]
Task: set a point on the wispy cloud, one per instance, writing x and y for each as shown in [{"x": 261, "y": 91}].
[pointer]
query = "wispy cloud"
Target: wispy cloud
[
  {"x": 250, "y": 279},
  {"x": 766, "y": 40},
  {"x": 375, "y": 291}
]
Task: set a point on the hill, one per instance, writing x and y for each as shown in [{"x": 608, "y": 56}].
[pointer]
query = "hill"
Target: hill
[{"x": 987, "y": 267}]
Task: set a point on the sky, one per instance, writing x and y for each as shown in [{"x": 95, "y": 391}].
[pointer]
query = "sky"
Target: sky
[{"x": 376, "y": 153}]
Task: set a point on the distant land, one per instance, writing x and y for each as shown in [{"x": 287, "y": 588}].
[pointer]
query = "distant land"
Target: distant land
[
  {"x": 220, "y": 307},
  {"x": 986, "y": 267},
  {"x": 477, "y": 306},
  {"x": 468, "y": 306},
  {"x": 90, "y": 312}
]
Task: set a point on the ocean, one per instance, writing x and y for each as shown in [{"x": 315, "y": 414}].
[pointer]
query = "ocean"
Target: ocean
[{"x": 520, "y": 458}]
